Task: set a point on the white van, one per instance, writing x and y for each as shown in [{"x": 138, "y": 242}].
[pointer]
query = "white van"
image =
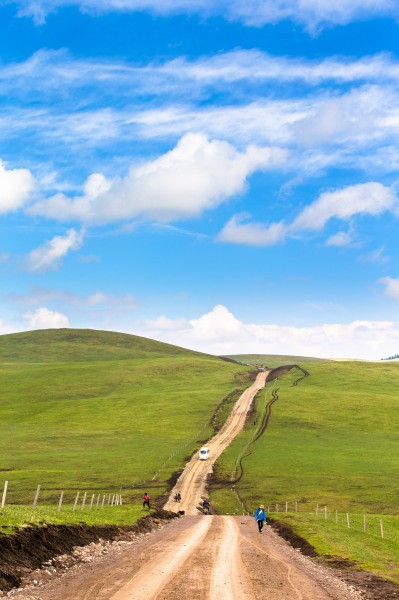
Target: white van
[{"x": 204, "y": 453}]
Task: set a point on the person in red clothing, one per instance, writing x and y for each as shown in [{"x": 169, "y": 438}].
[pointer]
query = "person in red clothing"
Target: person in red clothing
[{"x": 146, "y": 499}]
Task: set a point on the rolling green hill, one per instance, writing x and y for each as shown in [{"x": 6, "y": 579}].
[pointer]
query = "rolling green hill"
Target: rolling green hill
[
  {"x": 272, "y": 360},
  {"x": 331, "y": 440},
  {"x": 99, "y": 411},
  {"x": 76, "y": 345}
]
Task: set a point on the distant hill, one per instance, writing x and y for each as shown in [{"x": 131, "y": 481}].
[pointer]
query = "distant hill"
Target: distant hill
[
  {"x": 65, "y": 345},
  {"x": 271, "y": 360}
]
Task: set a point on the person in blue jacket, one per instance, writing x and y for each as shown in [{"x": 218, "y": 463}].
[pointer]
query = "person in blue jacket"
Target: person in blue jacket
[{"x": 260, "y": 517}]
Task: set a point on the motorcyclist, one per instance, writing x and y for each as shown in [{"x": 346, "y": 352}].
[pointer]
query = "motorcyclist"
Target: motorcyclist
[{"x": 206, "y": 505}]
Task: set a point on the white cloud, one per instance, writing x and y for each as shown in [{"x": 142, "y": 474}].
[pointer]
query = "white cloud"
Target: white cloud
[
  {"x": 220, "y": 332},
  {"x": 16, "y": 186},
  {"x": 371, "y": 198},
  {"x": 43, "y": 318},
  {"x": 342, "y": 238},
  {"x": 311, "y": 13},
  {"x": 56, "y": 69},
  {"x": 50, "y": 255},
  {"x": 391, "y": 287},
  {"x": 195, "y": 176},
  {"x": 251, "y": 234}
]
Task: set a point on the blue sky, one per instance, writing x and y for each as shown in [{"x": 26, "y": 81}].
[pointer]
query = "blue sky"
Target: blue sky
[{"x": 218, "y": 175}]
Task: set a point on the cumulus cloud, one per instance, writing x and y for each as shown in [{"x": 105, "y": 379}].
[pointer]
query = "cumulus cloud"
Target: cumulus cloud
[
  {"x": 311, "y": 13},
  {"x": 391, "y": 287},
  {"x": 43, "y": 318},
  {"x": 195, "y": 176},
  {"x": 49, "y": 255},
  {"x": 220, "y": 332},
  {"x": 16, "y": 186},
  {"x": 371, "y": 199}
]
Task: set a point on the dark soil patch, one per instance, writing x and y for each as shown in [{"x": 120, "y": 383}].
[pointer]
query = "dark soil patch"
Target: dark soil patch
[
  {"x": 296, "y": 541},
  {"x": 372, "y": 586},
  {"x": 28, "y": 548},
  {"x": 279, "y": 372}
]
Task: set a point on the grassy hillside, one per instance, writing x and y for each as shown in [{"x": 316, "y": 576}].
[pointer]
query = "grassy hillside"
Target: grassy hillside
[
  {"x": 272, "y": 360},
  {"x": 76, "y": 345},
  {"x": 331, "y": 440},
  {"x": 99, "y": 411}
]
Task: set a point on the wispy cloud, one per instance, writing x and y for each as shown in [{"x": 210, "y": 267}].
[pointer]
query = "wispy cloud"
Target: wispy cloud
[
  {"x": 371, "y": 198},
  {"x": 391, "y": 287},
  {"x": 49, "y": 255},
  {"x": 313, "y": 14}
]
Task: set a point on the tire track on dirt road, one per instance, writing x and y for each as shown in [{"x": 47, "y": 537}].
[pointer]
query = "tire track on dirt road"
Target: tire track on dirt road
[
  {"x": 153, "y": 577},
  {"x": 263, "y": 426}
]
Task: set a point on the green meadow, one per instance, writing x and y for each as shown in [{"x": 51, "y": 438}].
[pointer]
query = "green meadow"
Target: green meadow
[
  {"x": 103, "y": 412},
  {"x": 332, "y": 440}
]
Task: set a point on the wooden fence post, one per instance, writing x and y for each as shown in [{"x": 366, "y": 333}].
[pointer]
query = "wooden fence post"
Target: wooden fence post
[
  {"x": 36, "y": 497},
  {"x": 76, "y": 502},
  {"x": 296, "y": 506},
  {"x": 347, "y": 520},
  {"x": 102, "y": 505},
  {"x": 276, "y": 507},
  {"x": 3, "y": 500},
  {"x": 286, "y": 507},
  {"x": 60, "y": 502},
  {"x": 364, "y": 523},
  {"x": 98, "y": 500},
  {"x": 92, "y": 500},
  {"x": 381, "y": 528},
  {"x": 317, "y": 509},
  {"x": 83, "y": 501}
]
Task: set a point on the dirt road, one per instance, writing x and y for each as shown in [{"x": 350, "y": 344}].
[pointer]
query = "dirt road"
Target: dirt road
[
  {"x": 199, "y": 558},
  {"x": 192, "y": 482}
]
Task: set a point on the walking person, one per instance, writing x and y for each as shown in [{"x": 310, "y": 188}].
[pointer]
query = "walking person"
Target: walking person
[
  {"x": 260, "y": 517},
  {"x": 146, "y": 499}
]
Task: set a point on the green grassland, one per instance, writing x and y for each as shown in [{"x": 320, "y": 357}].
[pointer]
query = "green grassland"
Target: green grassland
[
  {"x": 331, "y": 440},
  {"x": 98, "y": 411},
  {"x": 272, "y": 360}
]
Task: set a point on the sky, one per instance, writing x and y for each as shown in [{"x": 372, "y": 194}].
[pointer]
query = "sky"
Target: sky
[{"x": 222, "y": 176}]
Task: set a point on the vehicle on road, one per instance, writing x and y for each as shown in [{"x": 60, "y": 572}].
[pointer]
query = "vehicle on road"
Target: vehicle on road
[{"x": 204, "y": 453}]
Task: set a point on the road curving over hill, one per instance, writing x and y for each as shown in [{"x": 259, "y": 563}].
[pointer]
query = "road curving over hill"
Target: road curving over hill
[{"x": 192, "y": 482}]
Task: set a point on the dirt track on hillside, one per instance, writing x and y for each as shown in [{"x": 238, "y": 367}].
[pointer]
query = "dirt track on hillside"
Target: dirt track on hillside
[{"x": 192, "y": 482}]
